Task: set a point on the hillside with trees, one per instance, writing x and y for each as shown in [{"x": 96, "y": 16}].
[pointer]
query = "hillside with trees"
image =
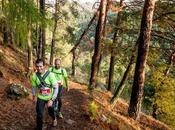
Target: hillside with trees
[{"x": 120, "y": 57}]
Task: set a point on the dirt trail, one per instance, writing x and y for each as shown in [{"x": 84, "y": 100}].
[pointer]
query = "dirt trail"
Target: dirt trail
[{"x": 20, "y": 114}]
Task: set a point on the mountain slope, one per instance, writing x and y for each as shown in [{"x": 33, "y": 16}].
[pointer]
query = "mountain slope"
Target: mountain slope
[{"x": 20, "y": 114}]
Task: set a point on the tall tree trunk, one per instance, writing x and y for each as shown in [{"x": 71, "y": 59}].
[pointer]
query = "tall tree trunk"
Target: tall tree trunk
[
  {"x": 30, "y": 56},
  {"x": 12, "y": 37},
  {"x": 143, "y": 48},
  {"x": 111, "y": 71},
  {"x": 73, "y": 63},
  {"x": 5, "y": 34},
  {"x": 42, "y": 33},
  {"x": 4, "y": 27},
  {"x": 37, "y": 37},
  {"x": 54, "y": 35},
  {"x": 99, "y": 38},
  {"x": 115, "y": 44},
  {"x": 120, "y": 88},
  {"x": 99, "y": 63},
  {"x": 37, "y": 34},
  {"x": 43, "y": 43},
  {"x": 39, "y": 47},
  {"x": 104, "y": 34}
]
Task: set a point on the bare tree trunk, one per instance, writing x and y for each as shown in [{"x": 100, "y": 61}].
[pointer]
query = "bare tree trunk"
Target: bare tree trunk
[
  {"x": 43, "y": 43},
  {"x": 37, "y": 37},
  {"x": 4, "y": 26},
  {"x": 39, "y": 53},
  {"x": 39, "y": 45},
  {"x": 54, "y": 35},
  {"x": 42, "y": 34},
  {"x": 73, "y": 63},
  {"x": 120, "y": 88},
  {"x": 115, "y": 44},
  {"x": 30, "y": 56},
  {"x": 143, "y": 48},
  {"x": 99, "y": 38},
  {"x": 53, "y": 46},
  {"x": 99, "y": 63},
  {"x": 104, "y": 33},
  {"x": 111, "y": 71},
  {"x": 37, "y": 33},
  {"x": 5, "y": 35},
  {"x": 12, "y": 37}
]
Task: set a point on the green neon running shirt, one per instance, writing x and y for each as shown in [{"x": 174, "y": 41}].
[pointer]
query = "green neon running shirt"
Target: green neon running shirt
[
  {"x": 58, "y": 74},
  {"x": 50, "y": 80}
]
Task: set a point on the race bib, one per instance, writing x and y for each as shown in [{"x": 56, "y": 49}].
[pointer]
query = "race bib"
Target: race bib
[{"x": 45, "y": 91}]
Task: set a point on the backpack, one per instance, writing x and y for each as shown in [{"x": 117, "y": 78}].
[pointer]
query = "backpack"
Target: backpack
[
  {"x": 41, "y": 79},
  {"x": 62, "y": 73}
]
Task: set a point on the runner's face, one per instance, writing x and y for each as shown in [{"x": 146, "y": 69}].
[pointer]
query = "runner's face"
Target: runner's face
[
  {"x": 40, "y": 67},
  {"x": 57, "y": 64}
]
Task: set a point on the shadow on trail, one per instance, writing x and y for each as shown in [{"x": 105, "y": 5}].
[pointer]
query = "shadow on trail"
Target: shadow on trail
[
  {"x": 20, "y": 114},
  {"x": 75, "y": 107},
  {"x": 74, "y": 110}
]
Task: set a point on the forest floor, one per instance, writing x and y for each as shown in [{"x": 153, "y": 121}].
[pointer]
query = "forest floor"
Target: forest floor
[{"x": 20, "y": 114}]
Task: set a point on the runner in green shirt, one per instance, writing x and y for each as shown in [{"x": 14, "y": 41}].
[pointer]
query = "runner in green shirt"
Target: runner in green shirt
[
  {"x": 44, "y": 91},
  {"x": 62, "y": 80}
]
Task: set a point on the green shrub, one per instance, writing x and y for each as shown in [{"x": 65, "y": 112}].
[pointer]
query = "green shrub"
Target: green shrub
[{"x": 93, "y": 110}]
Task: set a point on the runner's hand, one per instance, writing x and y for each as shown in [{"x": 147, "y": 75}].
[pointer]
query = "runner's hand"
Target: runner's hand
[
  {"x": 67, "y": 89},
  {"x": 34, "y": 99},
  {"x": 49, "y": 104}
]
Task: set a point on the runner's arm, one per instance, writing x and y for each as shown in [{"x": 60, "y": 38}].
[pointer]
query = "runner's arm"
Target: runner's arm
[
  {"x": 65, "y": 76},
  {"x": 33, "y": 91},
  {"x": 66, "y": 82},
  {"x": 34, "y": 84},
  {"x": 55, "y": 90},
  {"x": 54, "y": 84}
]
